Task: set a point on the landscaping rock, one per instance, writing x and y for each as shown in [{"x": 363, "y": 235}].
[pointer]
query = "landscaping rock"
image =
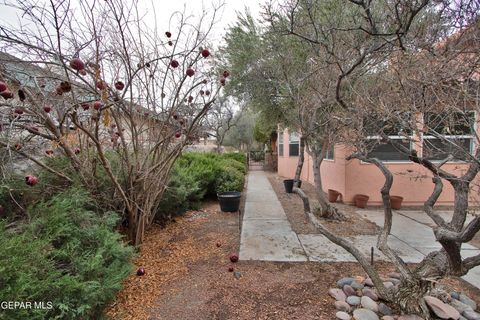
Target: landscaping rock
[
  {"x": 368, "y": 303},
  {"x": 410, "y": 317},
  {"x": 364, "y": 314},
  {"x": 337, "y": 294},
  {"x": 455, "y": 295},
  {"x": 353, "y": 300},
  {"x": 394, "y": 275},
  {"x": 388, "y": 284},
  {"x": 441, "y": 309},
  {"x": 370, "y": 293},
  {"x": 460, "y": 306},
  {"x": 344, "y": 281},
  {"x": 357, "y": 285},
  {"x": 464, "y": 299},
  {"x": 384, "y": 309},
  {"x": 388, "y": 318},
  {"x": 462, "y": 318},
  {"x": 368, "y": 282},
  {"x": 342, "y": 306},
  {"x": 394, "y": 281},
  {"x": 343, "y": 315},
  {"x": 349, "y": 291},
  {"x": 471, "y": 315},
  {"x": 359, "y": 279}
]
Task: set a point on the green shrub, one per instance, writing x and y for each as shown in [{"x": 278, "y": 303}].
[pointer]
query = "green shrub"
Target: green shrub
[
  {"x": 68, "y": 255},
  {"x": 183, "y": 193},
  {"x": 230, "y": 179},
  {"x": 199, "y": 175},
  {"x": 240, "y": 157}
]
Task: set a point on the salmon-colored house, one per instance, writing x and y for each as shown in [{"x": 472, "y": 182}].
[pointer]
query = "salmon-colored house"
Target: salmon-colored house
[{"x": 411, "y": 181}]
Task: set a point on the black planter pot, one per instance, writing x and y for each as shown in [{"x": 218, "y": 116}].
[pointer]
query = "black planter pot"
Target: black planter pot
[
  {"x": 288, "y": 183},
  {"x": 229, "y": 201}
]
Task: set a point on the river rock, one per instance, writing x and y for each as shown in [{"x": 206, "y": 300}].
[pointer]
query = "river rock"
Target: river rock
[
  {"x": 343, "y": 315},
  {"x": 368, "y": 282},
  {"x": 455, "y": 295},
  {"x": 441, "y": 309},
  {"x": 370, "y": 293},
  {"x": 388, "y": 284},
  {"x": 337, "y": 294},
  {"x": 344, "y": 281},
  {"x": 464, "y": 299},
  {"x": 460, "y": 306},
  {"x": 388, "y": 318},
  {"x": 342, "y": 306},
  {"x": 357, "y": 285},
  {"x": 349, "y": 291},
  {"x": 384, "y": 309},
  {"x": 353, "y": 300},
  {"x": 364, "y": 314},
  {"x": 359, "y": 279},
  {"x": 394, "y": 281},
  {"x": 471, "y": 315},
  {"x": 368, "y": 303}
]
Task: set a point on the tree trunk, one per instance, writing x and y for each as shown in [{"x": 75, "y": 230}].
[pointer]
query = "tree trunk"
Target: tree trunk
[
  {"x": 298, "y": 173},
  {"x": 326, "y": 210}
]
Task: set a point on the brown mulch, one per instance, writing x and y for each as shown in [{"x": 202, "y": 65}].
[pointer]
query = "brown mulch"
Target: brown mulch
[
  {"x": 187, "y": 275},
  {"x": 293, "y": 206}
]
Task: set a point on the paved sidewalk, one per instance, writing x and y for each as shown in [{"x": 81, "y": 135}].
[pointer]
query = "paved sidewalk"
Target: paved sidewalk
[{"x": 267, "y": 234}]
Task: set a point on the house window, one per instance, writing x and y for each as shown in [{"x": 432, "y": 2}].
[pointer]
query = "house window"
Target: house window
[
  {"x": 456, "y": 128},
  {"x": 399, "y": 134},
  {"x": 280, "y": 143},
  {"x": 293, "y": 145},
  {"x": 330, "y": 154}
]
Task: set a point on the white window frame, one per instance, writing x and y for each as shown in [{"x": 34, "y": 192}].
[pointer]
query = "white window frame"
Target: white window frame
[
  {"x": 448, "y": 137},
  {"x": 332, "y": 159},
  {"x": 293, "y": 138},
  {"x": 280, "y": 143}
]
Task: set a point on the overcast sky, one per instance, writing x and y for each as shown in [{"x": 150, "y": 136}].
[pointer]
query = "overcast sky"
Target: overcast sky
[{"x": 165, "y": 8}]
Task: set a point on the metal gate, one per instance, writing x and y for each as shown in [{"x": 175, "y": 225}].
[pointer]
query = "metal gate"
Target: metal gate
[{"x": 256, "y": 160}]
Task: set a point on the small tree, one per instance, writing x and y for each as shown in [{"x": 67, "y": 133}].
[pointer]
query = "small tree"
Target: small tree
[{"x": 112, "y": 95}]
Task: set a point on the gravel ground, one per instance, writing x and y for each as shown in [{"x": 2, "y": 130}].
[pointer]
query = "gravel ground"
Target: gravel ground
[{"x": 293, "y": 206}]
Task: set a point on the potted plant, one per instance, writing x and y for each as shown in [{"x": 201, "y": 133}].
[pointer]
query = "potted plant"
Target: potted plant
[
  {"x": 288, "y": 183},
  {"x": 229, "y": 200},
  {"x": 396, "y": 202},
  {"x": 333, "y": 195},
  {"x": 361, "y": 200}
]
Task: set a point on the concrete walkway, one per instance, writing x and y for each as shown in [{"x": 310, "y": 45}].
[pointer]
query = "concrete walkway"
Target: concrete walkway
[
  {"x": 267, "y": 235},
  {"x": 266, "y": 232}
]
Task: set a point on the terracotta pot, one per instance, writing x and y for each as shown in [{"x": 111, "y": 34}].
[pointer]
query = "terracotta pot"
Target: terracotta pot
[
  {"x": 361, "y": 200},
  {"x": 333, "y": 195},
  {"x": 396, "y": 202}
]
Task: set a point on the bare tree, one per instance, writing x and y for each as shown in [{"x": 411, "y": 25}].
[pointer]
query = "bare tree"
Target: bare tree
[
  {"x": 221, "y": 118},
  {"x": 114, "y": 94}
]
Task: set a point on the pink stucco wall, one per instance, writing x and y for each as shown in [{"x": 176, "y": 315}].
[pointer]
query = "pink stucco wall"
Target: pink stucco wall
[{"x": 411, "y": 181}]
